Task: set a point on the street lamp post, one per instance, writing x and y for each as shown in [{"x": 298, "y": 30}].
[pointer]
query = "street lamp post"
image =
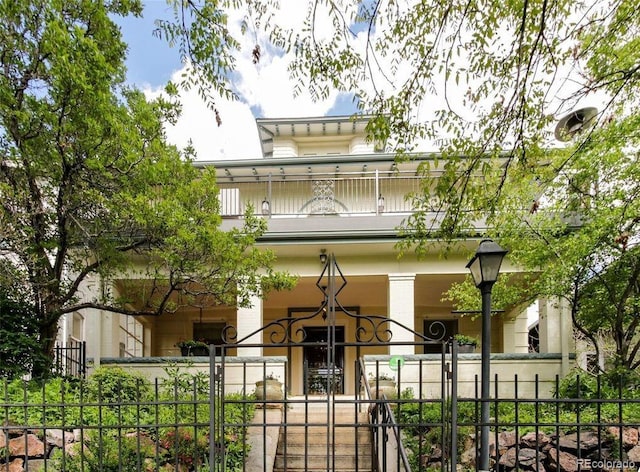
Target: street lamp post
[{"x": 484, "y": 267}]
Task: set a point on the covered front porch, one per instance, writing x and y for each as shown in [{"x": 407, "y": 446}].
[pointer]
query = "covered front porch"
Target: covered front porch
[{"x": 378, "y": 305}]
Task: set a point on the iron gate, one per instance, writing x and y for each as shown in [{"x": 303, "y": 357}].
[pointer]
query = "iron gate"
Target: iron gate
[{"x": 337, "y": 414}]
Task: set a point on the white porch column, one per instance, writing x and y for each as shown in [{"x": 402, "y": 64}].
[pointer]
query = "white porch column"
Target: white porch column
[
  {"x": 567, "y": 344},
  {"x": 550, "y": 326},
  {"x": 94, "y": 322},
  {"x": 248, "y": 320},
  {"x": 401, "y": 309},
  {"x": 110, "y": 336},
  {"x": 93, "y": 335},
  {"x": 515, "y": 336},
  {"x": 556, "y": 329}
]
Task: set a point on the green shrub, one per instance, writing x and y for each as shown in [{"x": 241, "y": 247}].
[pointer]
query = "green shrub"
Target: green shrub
[
  {"x": 186, "y": 445},
  {"x": 116, "y": 408},
  {"x": 47, "y": 403},
  {"x": 178, "y": 380},
  {"x": 622, "y": 380},
  {"x": 578, "y": 384},
  {"x": 614, "y": 383},
  {"x": 108, "y": 452},
  {"x": 116, "y": 385}
]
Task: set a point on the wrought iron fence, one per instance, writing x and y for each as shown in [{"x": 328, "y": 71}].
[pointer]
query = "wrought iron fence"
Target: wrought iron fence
[
  {"x": 586, "y": 425},
  {"x": 114, "y": 421},
  {"x": 70, "y": 360},
  {"x": 118, "y": 421}
]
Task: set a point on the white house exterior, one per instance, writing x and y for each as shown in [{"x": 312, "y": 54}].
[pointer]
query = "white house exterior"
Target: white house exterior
[{"x": 324, "y": 190}]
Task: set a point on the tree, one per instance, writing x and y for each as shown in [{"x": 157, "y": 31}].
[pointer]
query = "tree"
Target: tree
[
  {"x": 485, "y": 82},
  {"x": 481, "y": 81},
  {"x": 19, "y": 350},
  {"x": 583, "y": 238},
  {"x": 90, "y": 191},
  {"x": 205, "y": 42},
  {"x": 579, "y": 239}
]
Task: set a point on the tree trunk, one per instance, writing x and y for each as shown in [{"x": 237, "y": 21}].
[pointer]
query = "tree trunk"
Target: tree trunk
[{"x": 43, "y": 363}]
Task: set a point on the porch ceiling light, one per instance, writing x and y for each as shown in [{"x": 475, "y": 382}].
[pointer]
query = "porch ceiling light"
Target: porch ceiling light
[
  {"x": 486, "y": 262},
  {"x": 266, "y": 207},
  {"x": 323, "y": 256}
]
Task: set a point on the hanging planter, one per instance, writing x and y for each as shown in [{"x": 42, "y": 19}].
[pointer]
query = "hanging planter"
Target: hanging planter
[
  {"x": 466, "y": 344},
  {"x": 193, "y": 348}
]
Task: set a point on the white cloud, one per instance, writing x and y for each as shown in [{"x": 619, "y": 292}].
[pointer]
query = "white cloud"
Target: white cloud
[
  {"x": 265, "y": 86},
  {"x": 236, "y": 138}
]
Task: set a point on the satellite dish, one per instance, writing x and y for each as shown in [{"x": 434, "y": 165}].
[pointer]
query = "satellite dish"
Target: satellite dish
[{"x": 574, "y": 123}]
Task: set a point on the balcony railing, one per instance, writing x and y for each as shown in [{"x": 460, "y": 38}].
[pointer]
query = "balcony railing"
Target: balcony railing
[{"x": 348, "y": 193}]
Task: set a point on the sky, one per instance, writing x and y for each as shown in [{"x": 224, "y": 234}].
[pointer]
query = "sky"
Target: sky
[{"x": 265, "y": 90}]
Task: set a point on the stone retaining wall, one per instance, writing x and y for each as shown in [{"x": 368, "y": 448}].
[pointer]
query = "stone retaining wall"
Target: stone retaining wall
[{"x": 564, "y": 453}]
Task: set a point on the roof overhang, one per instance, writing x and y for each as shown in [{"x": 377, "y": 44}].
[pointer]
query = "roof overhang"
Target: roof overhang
[
  {"x": 270, "y": 128},
  {"x": 247, "y": 168}
]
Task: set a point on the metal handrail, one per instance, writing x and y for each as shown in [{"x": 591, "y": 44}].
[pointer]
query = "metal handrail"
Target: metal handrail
[
  {"x": 363, "y": 377},
  {"x": 386, "y": 413},
  {"x": 396, "y": 431}
]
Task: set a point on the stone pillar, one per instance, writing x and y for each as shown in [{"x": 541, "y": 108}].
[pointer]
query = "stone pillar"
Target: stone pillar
[
  {"x": 401, "y": 309},
  {"x": 249, "y": 319},
  {"x": 515, "y": 337}
]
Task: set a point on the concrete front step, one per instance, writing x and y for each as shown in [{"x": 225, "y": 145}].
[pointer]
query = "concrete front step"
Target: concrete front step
[
  {"x": 306, "y": 447},
  {"x": 321, "y": 449},
  {"x": 323, "y": 434},
  {"x": 342, "y": 463}
]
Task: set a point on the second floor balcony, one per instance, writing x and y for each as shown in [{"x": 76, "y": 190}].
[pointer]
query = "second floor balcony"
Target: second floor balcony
[
  {"x": 325, "y": 197},
  {"x": 298, "y": 195}
]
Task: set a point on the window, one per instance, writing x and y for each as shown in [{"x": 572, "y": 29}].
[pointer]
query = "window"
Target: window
[
  {"x": 593, "y": 365},
  {"x": 433, "y": 329},
  {"x": 77, "y": 327},
  {"x": 131, "y": 337}
]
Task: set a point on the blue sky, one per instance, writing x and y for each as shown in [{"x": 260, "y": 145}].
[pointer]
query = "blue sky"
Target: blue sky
[
  {"x": 150, "y": 60},
  {"x": 265, "y": 90}
]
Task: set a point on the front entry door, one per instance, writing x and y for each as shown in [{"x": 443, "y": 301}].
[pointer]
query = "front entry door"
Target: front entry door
[{"x": 319, "y": 375}]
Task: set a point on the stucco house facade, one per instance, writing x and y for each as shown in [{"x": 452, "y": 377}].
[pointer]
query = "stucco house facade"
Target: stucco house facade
[{"x": 323, "y": 189}]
